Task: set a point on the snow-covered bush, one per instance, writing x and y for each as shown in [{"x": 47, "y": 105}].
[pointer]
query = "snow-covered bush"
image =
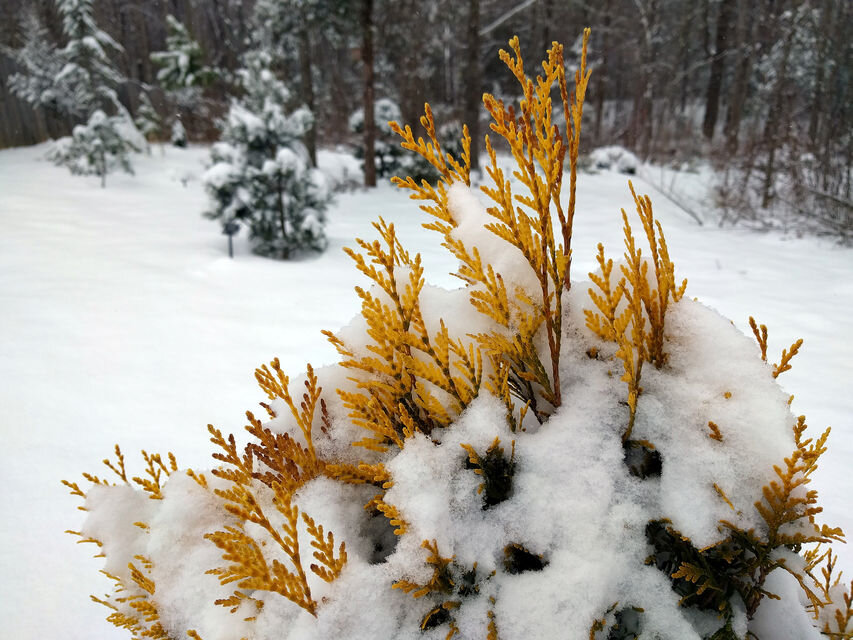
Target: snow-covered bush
[
  {"x": 74, "y": 80},
  {"x": 614, "y": 157},
  {"x": 182, "y": 72},
  {"x": 88, "y": 78},
  {"x": 178, "y": 134},
  {"x": 259, "y": 173},
  {"x": 389, "y": 157},
  {"x": 39, "y": 62},
  {"x": 80, "y": 81},
  {"x": 98, "y": 147},
  {"x": 387, "y": 153},
  {"x": 528, "y": 456},
  {"x": 343, "y": 172},
  {"x": 149, "y": 122},
  {"x": 183, "y": 76}
]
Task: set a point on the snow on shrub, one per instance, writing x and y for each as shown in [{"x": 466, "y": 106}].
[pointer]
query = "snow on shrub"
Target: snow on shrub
[
  {"x": 616, "y": 158},
  {"x": 182, "y": 72},
  {"x": 343, "y": 172},
  {"x": 390, "y": 159},
  {"x": 259, "y": 174},
  {"x": 78, "y": 80},
  {"x": 101, "y": 145},
  {"x": 527, "y": 456}
]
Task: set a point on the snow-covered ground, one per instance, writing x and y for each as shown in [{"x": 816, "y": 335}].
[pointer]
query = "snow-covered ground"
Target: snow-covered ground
[{"x": 123, "y": 320}]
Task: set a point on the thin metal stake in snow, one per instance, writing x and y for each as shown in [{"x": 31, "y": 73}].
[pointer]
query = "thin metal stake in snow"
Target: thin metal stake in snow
[{"x": 229, "y": 229}]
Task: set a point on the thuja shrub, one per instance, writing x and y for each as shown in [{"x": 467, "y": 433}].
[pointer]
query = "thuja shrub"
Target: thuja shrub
[{"x": 527, "y": 456}]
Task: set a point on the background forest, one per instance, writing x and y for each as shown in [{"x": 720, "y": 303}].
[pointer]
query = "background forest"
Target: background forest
[
  {"x": 489, "y": 462},
  {"x": 760, "y": 88}
]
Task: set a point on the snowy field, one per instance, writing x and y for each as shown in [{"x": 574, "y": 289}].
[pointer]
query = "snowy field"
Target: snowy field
[{"x": 124, "y": 321}]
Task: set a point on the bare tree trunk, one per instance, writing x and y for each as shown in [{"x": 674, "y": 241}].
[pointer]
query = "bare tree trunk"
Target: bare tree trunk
[
  {"x": 684, "y": 42},
  {"x": 818, "y": 92},
  {"x": 740, "y": 86},
  {"x": 308, "y": 91},
  {"x": 649, "y": 17},
  {"x": 473, "y": 89},
  {"x": 715, "y": 80},
  {"x": 369, "y": 124},
  {"x": 547, "y": 23},
  {"x": 601, "y": 73},
  {"x": 774, "y": 117}
]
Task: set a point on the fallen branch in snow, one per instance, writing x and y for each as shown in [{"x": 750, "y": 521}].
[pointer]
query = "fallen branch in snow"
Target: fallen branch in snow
[{"x": 670, "y": 195}]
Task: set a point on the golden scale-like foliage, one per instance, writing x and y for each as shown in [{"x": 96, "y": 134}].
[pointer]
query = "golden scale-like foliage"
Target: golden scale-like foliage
[
  {"x": 281, "y": 466},
  {"x": 414, "y": 379},
  {"x": 137, "y": 593},
  {"x": 645, "y": 306},
  {"x": 790, "y": 517},
  {"x": 524, "y": 221}
]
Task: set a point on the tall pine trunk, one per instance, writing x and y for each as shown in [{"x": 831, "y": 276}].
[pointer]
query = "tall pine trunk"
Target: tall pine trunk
[
  {"x": 369, "y": 124},
  {"x": 818, "y": 90},
  {"x": 774, "y": 118},
  {"x": 740, "y": 87},
  {"x": 715, "y": 80},
  {"x": 473, "y": 89},
  {"x": 308, "y": 91},
  {"x": 601, "y": 73}
]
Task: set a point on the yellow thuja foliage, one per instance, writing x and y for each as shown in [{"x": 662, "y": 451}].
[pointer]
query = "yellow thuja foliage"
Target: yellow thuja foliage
[
  {"x": 449, "y": 585},
  {"x": 523, "y": 220},
  {"x": 836, "y": 598},
  {"x": 742, "y": 562},
  {"x": 145, "y": 621},
  {"x": 439, "y": 582},
  {"x": 760, "y": 333},
  {"x": 790, "y": 517},
  {"x": 645, "y": 305},
  {"x": 412, "y": 377},
  {"x": 134, "y": 594},
  {"x": 281, "y": 466},
  {"x": 412, "y": 381}
]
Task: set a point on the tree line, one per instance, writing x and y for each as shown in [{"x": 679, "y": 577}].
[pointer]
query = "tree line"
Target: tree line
[{"x": 760, "y": 87}]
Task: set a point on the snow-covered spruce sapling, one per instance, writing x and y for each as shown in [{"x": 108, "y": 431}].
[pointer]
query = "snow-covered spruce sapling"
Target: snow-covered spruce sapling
[
  {"x": 529, "y": 377},
  {"x": 98, "y": 147},
  {"x": 389, "y": 158},
  {"x": 149, "y": 122},
  {"x": 88, "y": 79},
  {"x": 259, "y": 173},
  {"x": 183, "y": 76},
  {"x": 84, "y": 87},
  {"x": 182, "y": 72},
  {"x": 74, "y": 80},
  {"x": 39, "y": 62}
]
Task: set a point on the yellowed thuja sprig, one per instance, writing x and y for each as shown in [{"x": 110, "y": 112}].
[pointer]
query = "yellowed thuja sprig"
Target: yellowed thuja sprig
[
  {"x": 836, "y": 609},
  {"x": 248, "y": 566},
  {"x": 783, "y": 504},
  {"x": 237, "y": 600},
  {"x": 524, "y": 221},
  {"x": 411, "y": 380},
  {"x": 138, "y": 593},
  {"x": 760, "y": 333},
  {"x": 788, "y": 510},
  {"x": 655, "y": 301},
  {"x": 277, "y": 385},
  {"x": 276, "y": 463},
  {"x": 440, "y": 581},
  {"x": 144, "y": 622},
  {"x": 636, "y": 327},
  {"x": 447, "y": 588},
  {"x": 493, "y": 627}
]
